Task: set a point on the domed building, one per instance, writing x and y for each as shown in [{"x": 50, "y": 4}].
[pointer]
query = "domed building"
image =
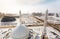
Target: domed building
[{"x": 20, "y": 32}]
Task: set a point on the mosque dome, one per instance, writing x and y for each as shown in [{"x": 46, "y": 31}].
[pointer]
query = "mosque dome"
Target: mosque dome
[{"x": 20, "y": 32}]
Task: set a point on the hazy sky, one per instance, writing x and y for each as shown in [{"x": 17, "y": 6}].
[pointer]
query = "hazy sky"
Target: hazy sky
[{"x": 28, "y": 6}]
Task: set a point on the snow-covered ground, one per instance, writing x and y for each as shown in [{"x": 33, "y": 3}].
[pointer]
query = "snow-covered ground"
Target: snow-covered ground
[
  {"x": 51, "y": 19},
  {"x": 49, "y": 31},
  {"x": 38, "y": 30}
]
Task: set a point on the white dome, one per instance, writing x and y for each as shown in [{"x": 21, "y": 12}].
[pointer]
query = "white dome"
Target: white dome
[{"x": 20, "y": 32}]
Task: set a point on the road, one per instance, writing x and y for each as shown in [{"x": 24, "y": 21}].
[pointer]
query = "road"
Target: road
[{"x": 56, "y": 26}]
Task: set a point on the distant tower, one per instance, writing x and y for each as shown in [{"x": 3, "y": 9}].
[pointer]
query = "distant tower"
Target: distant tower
[
  {"x": 45, "y": 24},
  {"x": 46, "y": 17},
  {"x": 20, "y": 16},
  {"x": 20, "y": 12}
]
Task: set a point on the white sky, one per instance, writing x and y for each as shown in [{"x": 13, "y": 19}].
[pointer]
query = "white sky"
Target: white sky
[{"x": 28, "y": 6}]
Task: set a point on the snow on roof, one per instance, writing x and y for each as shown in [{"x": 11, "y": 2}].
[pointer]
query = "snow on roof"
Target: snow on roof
[{"x": 20, "y": 31}]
